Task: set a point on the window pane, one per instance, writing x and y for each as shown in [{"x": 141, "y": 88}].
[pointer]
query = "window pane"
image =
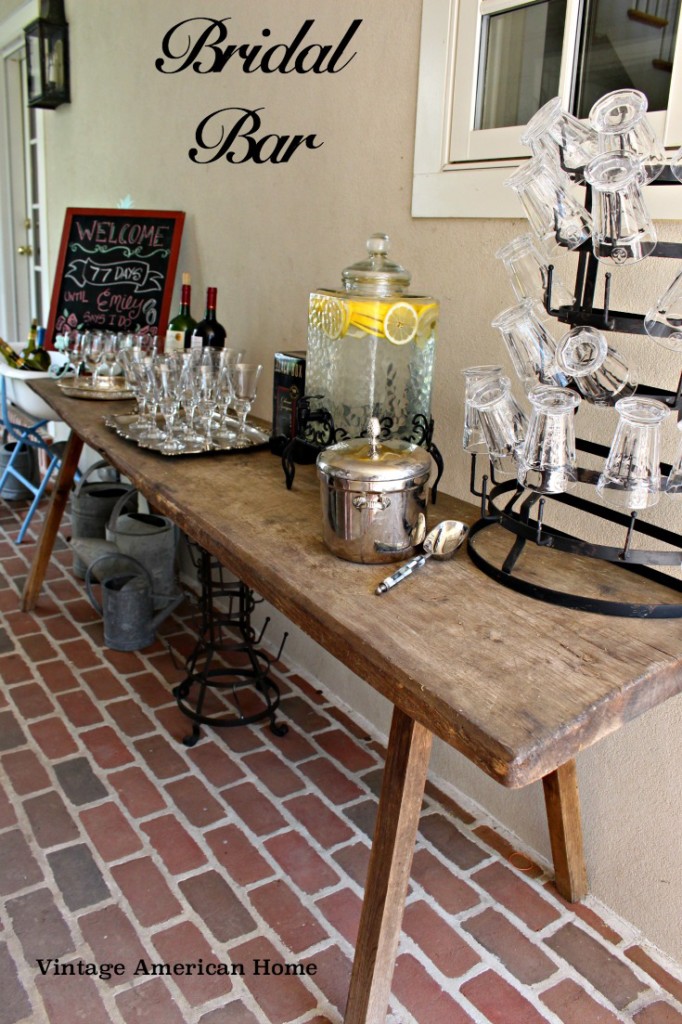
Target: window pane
[
  {"x": 627, "y": 46},
  {"x": 520, "y": 63}
]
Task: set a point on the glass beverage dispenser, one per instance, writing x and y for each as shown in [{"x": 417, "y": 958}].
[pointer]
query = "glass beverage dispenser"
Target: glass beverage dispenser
[{"x": 371, "y": 351}]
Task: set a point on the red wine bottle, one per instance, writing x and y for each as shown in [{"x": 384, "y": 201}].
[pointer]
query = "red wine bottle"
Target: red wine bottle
[
  {"x": 208, "y": 332},
  {"x": 183, "y": 321}
]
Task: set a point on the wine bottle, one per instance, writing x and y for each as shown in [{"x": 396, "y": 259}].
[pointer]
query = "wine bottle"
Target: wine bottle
[
  {"x": 183, "y": 321},
  {"x": 35, "y": 358},
  {"x": 208, "y": 332},
  {"x": 11, "y": 357}
]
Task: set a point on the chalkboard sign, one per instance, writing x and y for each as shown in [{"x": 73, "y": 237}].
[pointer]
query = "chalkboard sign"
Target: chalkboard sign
[{"x": 115, "y": 271}]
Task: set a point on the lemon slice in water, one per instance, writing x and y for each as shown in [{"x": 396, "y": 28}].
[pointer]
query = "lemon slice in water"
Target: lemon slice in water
[
  {"x": 428, "y": 320},
  {"x": 334, "y": 316},
  {"x": 400, "y": 323}
]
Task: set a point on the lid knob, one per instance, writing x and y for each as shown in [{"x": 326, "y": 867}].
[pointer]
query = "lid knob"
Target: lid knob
[{"x": 378, "y": 244}]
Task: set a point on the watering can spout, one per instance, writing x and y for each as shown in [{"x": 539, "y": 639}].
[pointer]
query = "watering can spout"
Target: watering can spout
[{"x": 164, "y": 612}]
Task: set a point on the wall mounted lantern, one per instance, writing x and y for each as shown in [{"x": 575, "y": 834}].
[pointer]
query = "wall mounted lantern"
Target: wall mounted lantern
[{"x": 47, "y": 57}]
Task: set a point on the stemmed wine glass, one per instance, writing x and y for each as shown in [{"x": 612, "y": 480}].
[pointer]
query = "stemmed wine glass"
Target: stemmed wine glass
[
  {"x": 167, "y": 374},
  {"x": 110, "y": 352},
  {"x": 189, "y": 398},
  {"x": 149, "y": 389},
  {"x": 227, "y": 360},
  {"x": 93, "y": 353},
  {"x": 207, "y": 383},
  {"x": 135, "y": 371},
  {"x": 245, "y": 382},
  {"x": 74, "y": 347}
]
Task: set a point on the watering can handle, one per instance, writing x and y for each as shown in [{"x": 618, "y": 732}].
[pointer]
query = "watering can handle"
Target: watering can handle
[
  {"x": 116, "y": 510},
  {"x": 96, "y": 465},
  {"x": 107, "y": 558}
]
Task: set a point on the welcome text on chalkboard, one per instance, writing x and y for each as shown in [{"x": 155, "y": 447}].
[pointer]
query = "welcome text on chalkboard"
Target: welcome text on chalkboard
[
  {"x": 234, "y": 133},
  {"x": 115, "y": 271}
]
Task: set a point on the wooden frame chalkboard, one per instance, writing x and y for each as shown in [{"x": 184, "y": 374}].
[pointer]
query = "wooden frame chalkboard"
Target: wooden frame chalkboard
[{"x": 115, "y": 271}]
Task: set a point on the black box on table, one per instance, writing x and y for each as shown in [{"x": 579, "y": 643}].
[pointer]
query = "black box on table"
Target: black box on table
[{"x": 288, "y": 389}]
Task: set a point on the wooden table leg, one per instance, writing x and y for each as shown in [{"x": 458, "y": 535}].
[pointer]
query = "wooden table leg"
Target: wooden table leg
[
  {"x": 407, "y": 761},
  {"x": 562, "y": 801},
  {"x": 53, "y": 518}
]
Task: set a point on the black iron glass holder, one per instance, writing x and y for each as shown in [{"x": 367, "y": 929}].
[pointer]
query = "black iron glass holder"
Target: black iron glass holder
[
  {"x": 521, "y": 512},
  {"x": 227, "y": 661}
]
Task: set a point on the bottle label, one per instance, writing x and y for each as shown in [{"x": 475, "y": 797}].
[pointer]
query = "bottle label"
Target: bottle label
[
  {"x": 196, "y": 341},
  {"x": 175, "y": 341}
]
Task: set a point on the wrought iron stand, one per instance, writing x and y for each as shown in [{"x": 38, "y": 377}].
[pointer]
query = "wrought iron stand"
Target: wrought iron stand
[
  {"x": 315, "y": 431},
  {"x": 521, "y": 512},
  {"x": 227, "y": 669}
]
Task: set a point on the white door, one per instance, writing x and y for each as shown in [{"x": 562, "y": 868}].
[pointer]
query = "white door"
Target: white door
[{"x": 21, "y": 222}]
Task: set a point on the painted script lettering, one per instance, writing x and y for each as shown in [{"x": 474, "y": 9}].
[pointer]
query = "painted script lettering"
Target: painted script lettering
[{"x": 201, "y": 45}]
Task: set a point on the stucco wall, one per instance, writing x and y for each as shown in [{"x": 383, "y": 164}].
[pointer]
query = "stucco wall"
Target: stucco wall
[{"x": 268, "y": 234}]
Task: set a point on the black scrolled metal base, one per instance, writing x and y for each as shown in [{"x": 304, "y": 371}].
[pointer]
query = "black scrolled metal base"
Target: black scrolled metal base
[
  {"x": 316, "y": 431},
  {"x": 515, "y": 515},
  {"x": 227, "y": 660}
]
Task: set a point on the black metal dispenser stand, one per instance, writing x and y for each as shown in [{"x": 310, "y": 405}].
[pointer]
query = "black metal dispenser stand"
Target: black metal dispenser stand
[
  {"x": 521, "y": 512},
  {"x": 315, "y": 431},
  {"x": 227, "y": 668}
]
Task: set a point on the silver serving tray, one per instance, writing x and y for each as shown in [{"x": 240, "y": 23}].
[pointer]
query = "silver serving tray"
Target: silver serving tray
[
  {"x": 122, "y": 423},
  {"x": 107, "y": 388}
]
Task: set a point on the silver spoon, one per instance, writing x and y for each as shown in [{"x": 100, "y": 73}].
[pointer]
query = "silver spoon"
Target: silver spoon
[{"x": 440, "y": 543}]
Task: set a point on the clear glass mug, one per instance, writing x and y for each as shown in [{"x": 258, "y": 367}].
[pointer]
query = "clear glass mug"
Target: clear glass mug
[
  {"x": 623, "y": 230},
  {"x": 473, "y": 439},
  {"x": 548, "y": 462},
  {"x": 531, "y": 347},
  {"x": 556, "y": 217},
  {"x": 503, "y": 422},
  {"x": 631, "y": 477},
  {"x": 528, "y": 272},
  {"x": 599, "y": 372},
  {"x": 620, "y": 120},
  {"x": 561, "y": 137}
]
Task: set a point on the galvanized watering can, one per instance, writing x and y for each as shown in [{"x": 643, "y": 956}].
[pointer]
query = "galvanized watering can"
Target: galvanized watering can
[
  {"x": 151, "y": 540},
  {"x": 92, "y": 503},
  {"x": 127, "y": 603}
]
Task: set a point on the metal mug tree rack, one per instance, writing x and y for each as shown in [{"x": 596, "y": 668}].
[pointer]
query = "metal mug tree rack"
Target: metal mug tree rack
[{"x": 509, "y": 505}]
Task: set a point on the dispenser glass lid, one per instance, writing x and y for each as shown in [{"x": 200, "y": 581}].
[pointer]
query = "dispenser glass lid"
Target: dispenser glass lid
[{"x": 376, "y": 275}]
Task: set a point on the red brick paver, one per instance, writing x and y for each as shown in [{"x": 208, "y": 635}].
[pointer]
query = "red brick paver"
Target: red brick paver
[{"x": 248, "y": 853}]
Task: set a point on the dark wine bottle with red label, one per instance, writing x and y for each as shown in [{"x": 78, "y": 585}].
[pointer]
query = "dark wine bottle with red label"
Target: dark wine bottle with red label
[{"x": 208, "y": 332}]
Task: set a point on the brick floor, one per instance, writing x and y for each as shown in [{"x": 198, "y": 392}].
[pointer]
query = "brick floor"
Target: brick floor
[{"x": 121, "y": 846}]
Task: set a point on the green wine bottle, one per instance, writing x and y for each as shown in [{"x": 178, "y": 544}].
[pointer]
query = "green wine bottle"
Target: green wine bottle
[
  {"x": 35, "y": 358},
  {"x": 11, "y": 357},
  {"x": 182, "y": 321}
]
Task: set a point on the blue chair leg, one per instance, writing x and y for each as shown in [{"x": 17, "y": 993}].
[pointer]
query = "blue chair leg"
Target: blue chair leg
[{"x": 54, "y": 461}]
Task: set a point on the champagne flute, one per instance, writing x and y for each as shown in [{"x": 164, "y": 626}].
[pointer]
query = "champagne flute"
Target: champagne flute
[{"x": 244, "y": 381}]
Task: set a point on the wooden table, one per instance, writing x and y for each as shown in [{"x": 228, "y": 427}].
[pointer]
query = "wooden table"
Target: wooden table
[{"x": 516, "y": 685}]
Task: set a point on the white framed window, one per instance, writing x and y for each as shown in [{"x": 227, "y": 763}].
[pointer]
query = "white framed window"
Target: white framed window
[{"x": 486, "y": 66}]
